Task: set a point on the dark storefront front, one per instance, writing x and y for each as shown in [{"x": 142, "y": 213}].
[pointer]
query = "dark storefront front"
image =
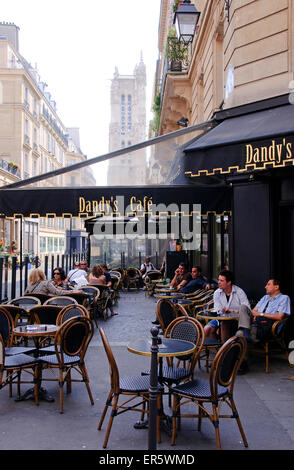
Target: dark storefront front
[{"x": 252, "y": 151}]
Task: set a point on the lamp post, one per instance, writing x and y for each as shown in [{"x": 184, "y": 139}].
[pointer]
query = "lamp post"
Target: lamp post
[{"x": 185, "y": 21}]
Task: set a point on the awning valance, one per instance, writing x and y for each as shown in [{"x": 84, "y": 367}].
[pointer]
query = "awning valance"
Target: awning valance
[
  {"x": 254, "y": 141},
  {"x": 120, "y": 201}
]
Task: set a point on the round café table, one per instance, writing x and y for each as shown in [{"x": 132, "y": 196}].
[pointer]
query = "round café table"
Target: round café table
[
  {"x": 225, "y": 320},
  {"x": 36, "y": 332},
  {"x": 167, "y": 347}
]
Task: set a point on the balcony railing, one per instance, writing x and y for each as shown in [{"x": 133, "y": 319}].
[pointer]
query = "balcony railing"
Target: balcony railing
[{"x": 7, "y": 167}]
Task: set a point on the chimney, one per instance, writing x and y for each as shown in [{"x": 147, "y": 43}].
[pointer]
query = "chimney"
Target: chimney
[{"x": 10, "y": 31}]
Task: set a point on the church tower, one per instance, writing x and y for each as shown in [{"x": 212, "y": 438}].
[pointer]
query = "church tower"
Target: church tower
[{"x": 128, "y": 127}]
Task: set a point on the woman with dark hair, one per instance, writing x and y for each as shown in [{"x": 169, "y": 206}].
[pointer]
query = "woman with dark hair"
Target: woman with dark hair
[
  {"x": 59, "y": 278},
  {"x": 38, "y": 284}
]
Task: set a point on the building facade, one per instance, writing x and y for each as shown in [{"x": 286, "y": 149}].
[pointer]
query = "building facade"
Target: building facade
[
  {"x": 128, "y": 126},
  {"x": 33, "y": 141},
  {"x": 238, "y": 76}
]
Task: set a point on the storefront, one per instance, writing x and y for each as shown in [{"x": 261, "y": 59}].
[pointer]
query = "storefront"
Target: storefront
[{"x": 251, "y": 150}]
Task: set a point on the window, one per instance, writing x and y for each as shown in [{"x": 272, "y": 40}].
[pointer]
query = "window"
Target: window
[
  {"x": 50, "y": 243},
  {"x": 123, "y": 115},
  {"x": 42, "y": 244},
  {"x": 129, "y": 112},
  {"x": 26, "y": 166}
]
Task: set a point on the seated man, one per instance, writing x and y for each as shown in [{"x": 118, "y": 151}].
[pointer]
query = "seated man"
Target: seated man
[
  {"x": 257, "y": 323},
  {"x": 181, "y": 277},
  {"x": 228, "y": 298},
  {"x": 146, "y": 267},
  {"x": 197, "y": 282}
]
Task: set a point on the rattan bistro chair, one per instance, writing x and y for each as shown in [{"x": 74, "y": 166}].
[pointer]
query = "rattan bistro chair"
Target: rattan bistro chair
[
  {"x": 71, "y": 343},
  {"x": 6, "y": 330},
  {"x": 134, "y": 388},
  {"x": 13, "y": 366},
  {"x": 167, "y": 311},
  {"x": 133, "y": 278},
  {"x": 61, "y": 300},
  {"x": 215, "y": 391}
]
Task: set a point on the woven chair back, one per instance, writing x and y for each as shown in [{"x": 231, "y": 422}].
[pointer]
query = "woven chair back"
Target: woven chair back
[
  {"x": 71, "y": 311},
  {"x": 25, "y": 300},
  {"x": 166, "y": 312},
  {"x": 61, "y": 300},
  {"x": 6, "y": 324},
  {"x": 44, "y": 314},
  {"x": 73, "y": 338},
  {"x": 113, "y": 369},
  {"x": 226, "y": 364}
]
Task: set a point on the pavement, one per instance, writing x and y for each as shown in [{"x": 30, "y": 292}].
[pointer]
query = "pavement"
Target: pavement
[{"x": 264, "y": 401}]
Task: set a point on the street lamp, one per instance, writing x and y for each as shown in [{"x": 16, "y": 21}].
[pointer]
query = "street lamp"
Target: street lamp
[{"x": 185, "y": 21}]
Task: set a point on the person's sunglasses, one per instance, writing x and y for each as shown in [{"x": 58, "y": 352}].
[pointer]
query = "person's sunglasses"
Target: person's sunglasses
[{"x": 56, "y": 272}]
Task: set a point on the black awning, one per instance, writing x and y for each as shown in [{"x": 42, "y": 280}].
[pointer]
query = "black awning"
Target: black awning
[
  {"x": 120, "y": 201},
  {"x": 253, "y": 141}
]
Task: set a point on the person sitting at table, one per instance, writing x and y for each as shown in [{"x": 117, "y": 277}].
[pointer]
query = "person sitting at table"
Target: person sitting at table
[
  {"x": 197, "y": 282},
  {"x": 228, "y": 298},
  {"x": 59, "y": 278},
  {"x": 146, "y": 267},
  {"x": 181, "y": 277},
  {"x": 98, "y": 277},
  {"x": 76, "y": 272},
  {"x": 38, "y": 284}
]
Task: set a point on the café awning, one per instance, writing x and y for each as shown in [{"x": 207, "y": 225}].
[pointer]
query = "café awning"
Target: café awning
[
  {"x": 122, "y": 201},
  {"x": 244, "y": 142}
]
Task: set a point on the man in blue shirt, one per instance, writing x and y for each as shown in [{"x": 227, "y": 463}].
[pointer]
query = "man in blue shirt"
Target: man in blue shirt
[
  {"x": 271, "y": 307},
  {"x": 197, "y": 282}
]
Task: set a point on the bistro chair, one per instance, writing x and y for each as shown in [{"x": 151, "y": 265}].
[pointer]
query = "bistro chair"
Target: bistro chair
[
  {"x": 71, "y": 343},
  {"x": 101, "y": 301},
  {"x": 44, "y": 314},
  {"x": 115, "y": 280},
  {"x": 273, "y": 343},
  {"x": 149, "y": 285},
  {"x": 167, "y": 311},
  {"x": 215, "y": 391},
  {"x": 25, "y": 300},
  {"x": 6, "y": 330},
  {"x": 187, "y": 329},
  {"x": 13, "y": 366},
  {"x": 133, "y": 388},
  {"x": 71, "y": 311},
  {"x": 41, "y": 297},
  {"x": 93, "y": 294},
  {"x": 81, "y": 297},
  {"x": 61, "y": 300},
  {"x": 133, "y": 278}
]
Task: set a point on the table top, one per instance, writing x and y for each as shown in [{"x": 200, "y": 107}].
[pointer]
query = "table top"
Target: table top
[
  {"x": 215, "y": 316},
  {"x": 36, "y": 330},
  {"x": 169, "y": 347}
]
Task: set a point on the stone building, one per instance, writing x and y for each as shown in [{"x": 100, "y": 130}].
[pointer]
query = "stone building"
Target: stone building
[
  {"x": 33, "y": 141},
  {"x": 128, "y": 127},
  {"x": 237, "y": 77}
]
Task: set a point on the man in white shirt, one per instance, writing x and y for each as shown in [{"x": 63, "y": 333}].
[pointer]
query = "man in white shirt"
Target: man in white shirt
[
  {"x": 76, "y": 272},
  {"x": 146, "y": 267},
  {"x": 228, "y": 298}
]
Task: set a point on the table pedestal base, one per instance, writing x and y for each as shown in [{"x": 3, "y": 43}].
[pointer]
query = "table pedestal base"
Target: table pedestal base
[{"x": 29, "y": 394}]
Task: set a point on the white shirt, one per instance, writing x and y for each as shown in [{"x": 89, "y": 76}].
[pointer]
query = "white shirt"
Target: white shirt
[
  {"x": 149, "y": 267},
  {"x": 76, "y": 273},
  {"x": 236, "y": 299}
]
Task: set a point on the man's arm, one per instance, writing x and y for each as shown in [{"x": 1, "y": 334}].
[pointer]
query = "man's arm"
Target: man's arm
[{"x": 174, "y": 279}]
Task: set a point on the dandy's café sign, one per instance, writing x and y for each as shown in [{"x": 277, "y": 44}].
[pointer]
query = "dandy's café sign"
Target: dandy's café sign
[{"x": 276, "y": 152}]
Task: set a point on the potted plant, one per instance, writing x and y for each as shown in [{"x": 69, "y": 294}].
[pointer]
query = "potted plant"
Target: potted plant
[
  {"x": 176, "y": 5},
  {"x": 176, "y": 52},
  {"x": 13, "y": 166}
]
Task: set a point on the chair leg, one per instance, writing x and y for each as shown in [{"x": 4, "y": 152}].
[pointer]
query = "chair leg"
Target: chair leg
[
  {"x": 215, "y": 422},
  {"x": 159, "y": 414},
  {"x": 113, "y": 414},
  {"x": 60, "y": 391},
  {"x": 86, "y": 380},
  {"x": 107, "y": 404},
  {"x": 174, "y": 419},
  {"x": 236, "y": 416}
]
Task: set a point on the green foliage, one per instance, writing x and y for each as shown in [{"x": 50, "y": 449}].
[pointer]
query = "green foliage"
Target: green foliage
[{"x": 156, "y": 110}]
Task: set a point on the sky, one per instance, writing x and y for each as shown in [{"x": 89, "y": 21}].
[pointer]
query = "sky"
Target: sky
[{"x": 76, "y": 46}]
